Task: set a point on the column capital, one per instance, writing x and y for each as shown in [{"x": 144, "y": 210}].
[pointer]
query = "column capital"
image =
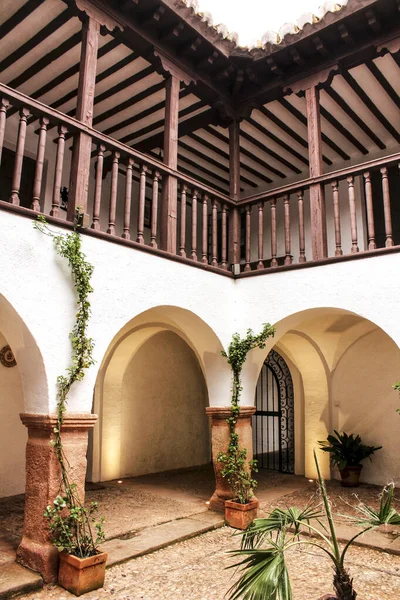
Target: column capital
[
  {"x": 224, "y": 412},
  {"x": 47, "y": 422}
]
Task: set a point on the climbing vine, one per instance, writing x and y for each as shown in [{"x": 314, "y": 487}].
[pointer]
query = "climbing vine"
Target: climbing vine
[
  {"x": 70, "y": 521},
  {"x": 235, "y": 470}
]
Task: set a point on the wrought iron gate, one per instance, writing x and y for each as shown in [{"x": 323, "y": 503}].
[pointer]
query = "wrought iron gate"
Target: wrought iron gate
[{"x": 273, "y": 422}]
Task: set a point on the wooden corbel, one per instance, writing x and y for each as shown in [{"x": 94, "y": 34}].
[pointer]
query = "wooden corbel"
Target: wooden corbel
[
  {"x": 167, "y": 65},
  {"x": 92, "y": 9}
]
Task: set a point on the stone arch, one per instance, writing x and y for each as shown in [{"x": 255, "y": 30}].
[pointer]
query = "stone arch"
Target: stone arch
[
  {"x": 317, "y": 342},
  {"x": 23, "y": 388},
  {"x": 166, "y": 324}
]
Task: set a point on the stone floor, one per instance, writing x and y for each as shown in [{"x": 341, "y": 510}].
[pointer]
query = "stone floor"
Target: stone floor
[{"x": 151, "y": 512}]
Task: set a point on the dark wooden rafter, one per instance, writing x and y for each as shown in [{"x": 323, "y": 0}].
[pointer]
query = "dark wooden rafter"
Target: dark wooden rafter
[
  {"x": 343, "y": 130},
  {"x": 262, "y": 147},
  {"x": 354, "y": 116},
  {"x": 243, "y": 165},
  {"x": 381, "y": 79},
  {"x": 35, "y": 40},
  {"x": 20, "y": 15},
  {"x": 196, "y": 165},
  {"x": 243, "y": 151},
  {"x": 281, "y": 143},
  {"x": 204, "y": 156},
  {"x": 300, "y": 117},
  {"x": 357, "y": 89},
  {"x": 144, "y": 113},
  {"x": 46, "y": 60}
]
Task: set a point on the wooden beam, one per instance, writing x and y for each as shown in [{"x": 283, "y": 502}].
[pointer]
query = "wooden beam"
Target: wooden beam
[
  {"x": 132, "y": 100},
  {"x": 296, "y": 113},
  {"x": 281, "y": 143},
  {"x": 381, "y": 79},
  {"x": 357, "y": 89},
  {"x": 81, "y": 151},
  {"x": 20, "y": 15},
  {"x": 343, "y": 130},
  {"x": 218, "y": 149},
  {"x": 354, "y": 116},
  {"x": 234, "y": 192},
  {"x": 35, "y": 40},
  {"x": 317, "y": 196},
  {"x": 243, "y": 152},
  {"x": 169, "y": 205}
]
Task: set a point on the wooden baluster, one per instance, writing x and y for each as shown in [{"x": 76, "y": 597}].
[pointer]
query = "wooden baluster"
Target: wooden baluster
[
  {"x": 154, "y": 210},
  {"x": 182, "y": 250},
  {"x": 224, "y": 236},
  {"x": 113, "y": 193},
  {"x": 353, "y": 215},
  {"x": 214, "y": 260},
  {"x": 336, "y": 218},
  {"x": 62, "y": 131},
  {"x": 19, "y": 156},
  {"x": 142, "y": 201},
  {"x": 204, "y": 250},
  {"x": 386, "y": 207},
  {"x": 4, "y": 106},
  {"x": 128, "y": 200},
  {"x": 193, "y": 254},
  {"x": 274, "y": 262},
  {"x": 247, "y": 266},
  {"x": 286, "y": 204},
  {"x": 370, "y": 211},
  {"x": 97, "y": 187},
  {"x": 302, "y": 239},
  {"x": 41, "y": 148},
  {"x": 260, "y": 264}
]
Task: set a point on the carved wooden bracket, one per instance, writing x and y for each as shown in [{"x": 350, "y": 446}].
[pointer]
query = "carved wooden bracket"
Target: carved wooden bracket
[
  {"x": 93, "y": 10},
  {"x": 228, "y": 113},
  {"x": 169, "y": 66},
  {"x": 315, "y": 80}
]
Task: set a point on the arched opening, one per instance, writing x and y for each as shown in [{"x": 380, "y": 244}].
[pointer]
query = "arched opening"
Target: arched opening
[
  {"x": 273, "y": 422},
  {"x": 343, "y": 367}
]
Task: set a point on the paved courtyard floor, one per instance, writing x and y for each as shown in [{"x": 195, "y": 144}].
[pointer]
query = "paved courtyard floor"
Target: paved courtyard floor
[{"x": 150, "y": 512}]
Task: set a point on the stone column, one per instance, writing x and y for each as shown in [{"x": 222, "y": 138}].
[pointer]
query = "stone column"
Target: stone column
[
  {"x": 43, "y": 483},
  {"x": 220, "y": 442}
]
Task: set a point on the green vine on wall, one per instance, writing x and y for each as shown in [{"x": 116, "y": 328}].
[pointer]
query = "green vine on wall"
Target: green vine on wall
[
  {"x": 236, "y": 469},
  {"x": 70, "y": 521}
]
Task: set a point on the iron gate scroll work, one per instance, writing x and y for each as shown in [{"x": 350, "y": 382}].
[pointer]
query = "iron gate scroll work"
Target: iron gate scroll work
[{"x": 273, "y": 422}]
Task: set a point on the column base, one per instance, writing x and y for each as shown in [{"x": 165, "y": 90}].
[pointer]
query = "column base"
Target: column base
[{"x": 40, "y": 557}]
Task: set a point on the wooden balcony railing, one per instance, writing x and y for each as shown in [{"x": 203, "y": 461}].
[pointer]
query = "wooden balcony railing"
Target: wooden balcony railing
[
  {"x": 278, "y": 227},
  {"x": 125, "y": 188},
  {"x": 126, "y": 192}
]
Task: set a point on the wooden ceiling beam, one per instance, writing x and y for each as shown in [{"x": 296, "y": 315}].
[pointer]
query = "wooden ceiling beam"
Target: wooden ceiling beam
[
  {"x": 20, "y": 15},
  {"x": 300, "y": 117},
  {"x": 345, "y": 35},
  {"x": 279, "y": 141},
  {"x": 320, "y": 46},
  {"x": 357, "y": 89},
  {"x": 343, "y": 130},
  {"x": 117, "y": 108},
  {"x": 381, "y": 79},
  {"x": 354, "y": 116},
  {"x": 35, "y": 40},
  {"x": 265, "y": 148},
  {"x": 372, "y": 20}
]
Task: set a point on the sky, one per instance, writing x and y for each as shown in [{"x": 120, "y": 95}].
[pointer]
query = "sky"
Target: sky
[{"x": 252, "y": 18}]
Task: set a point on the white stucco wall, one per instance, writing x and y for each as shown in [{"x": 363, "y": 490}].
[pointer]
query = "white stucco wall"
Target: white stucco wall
[
  {"x": 365, "y": 403},
  {"x": 13, "y": 434}
]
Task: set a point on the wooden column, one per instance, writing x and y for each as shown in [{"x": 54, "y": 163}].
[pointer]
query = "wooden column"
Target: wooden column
[
  {"x": 182, "y": 247},
  {"x": 370, "y": 211},
  {"x": 19, "y": 155},
  {"x": 82, "y": 147},
  {"x": 170, "y": 187},
  {"x": 37, "y": 185},
  {"x": 336, "y": 217},
  {"x": 98, "y": 187},
  {"x": 302, "y": 241},
  {"x": 128, "y": 200},
  {"x": 317, "y": 195},
  {"x": 386, "y": 207},
  {"x": 234, "y": 189},
  {"x": 154, "y": 210},
  {"x": 260, "y": 264},
  {"x": 4, "y": 106}
]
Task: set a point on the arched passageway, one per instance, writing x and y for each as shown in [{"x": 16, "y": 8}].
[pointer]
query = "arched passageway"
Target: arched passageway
[
  {"x": 151, "y": 394},
  {"x": 343, "y": 367}
]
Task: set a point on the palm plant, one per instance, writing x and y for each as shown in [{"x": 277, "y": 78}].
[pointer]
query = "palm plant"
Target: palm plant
[
  {"x": 265, "y": 543},
  {"x": 347, "y": 450}
]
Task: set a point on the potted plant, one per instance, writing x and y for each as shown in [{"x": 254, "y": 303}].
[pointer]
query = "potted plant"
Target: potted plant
[
  {"x": 264, "y": 544},
  {"x": 242, "y": 509},
  {"x": 73, "y": 527},
  {"x": 77, "y": 535},
  {"x": 347, "y": 452}
]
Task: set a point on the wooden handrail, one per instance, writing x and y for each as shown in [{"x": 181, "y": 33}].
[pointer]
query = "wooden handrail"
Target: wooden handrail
[
  {"x": 326, "y": 178},
  {"x": 39, "y": 109}
]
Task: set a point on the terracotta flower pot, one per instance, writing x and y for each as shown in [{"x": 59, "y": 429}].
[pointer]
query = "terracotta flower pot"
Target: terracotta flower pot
[
  {"x": 240, "y": 516},
  {"x": 81, "y": 575},
  {"x": 351, "y": 476}
]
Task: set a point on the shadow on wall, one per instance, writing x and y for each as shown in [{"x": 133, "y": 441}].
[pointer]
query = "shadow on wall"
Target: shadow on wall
[{"x": 151, "y": 395}]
